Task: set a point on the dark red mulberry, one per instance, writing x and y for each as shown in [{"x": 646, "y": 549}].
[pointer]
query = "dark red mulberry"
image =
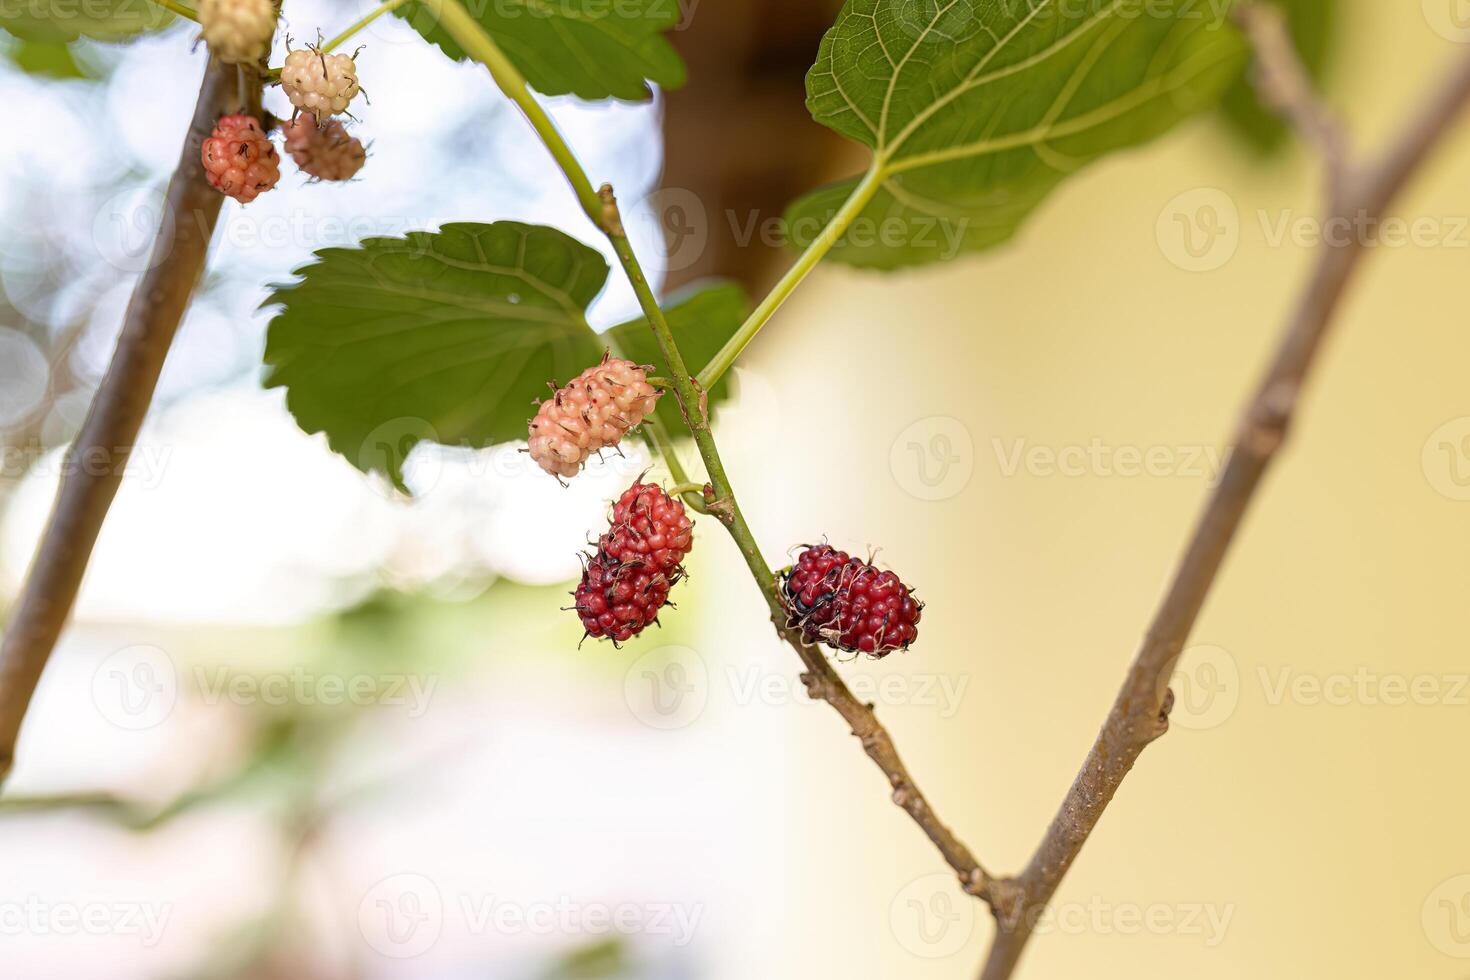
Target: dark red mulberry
[
  {"x": 618, "y": 601},
  {"x": 849, "y": 604},
  {"x": 649, "y": 526},
  {"x": 638, "y": 559}
]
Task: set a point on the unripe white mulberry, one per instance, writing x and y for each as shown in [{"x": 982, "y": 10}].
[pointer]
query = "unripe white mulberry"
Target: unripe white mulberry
[
  {"x": 593, "y": 412},
  {"x": 319, "y": 83},
  {"x": 238, "y": 31},
  {"x": 324, "y": 151}
]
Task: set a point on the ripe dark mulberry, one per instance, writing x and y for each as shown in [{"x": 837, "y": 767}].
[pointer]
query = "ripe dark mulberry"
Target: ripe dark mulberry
[
  {"x": 617, "y": 601},
  {"x": 638, "y": 559},
  {"x": 650, "y": 527},
  {"x": 848, "y": 603}
]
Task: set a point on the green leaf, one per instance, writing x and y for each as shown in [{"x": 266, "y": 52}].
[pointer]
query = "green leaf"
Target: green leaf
[
  {"x": 976, "y": 109},
  {"x": 48, "y": 59},
  {"x": 449, "y": 337},
  {"x": 1312, "y": 24},
  {"x": 702, "y": 316},
  {"x": 594, "y": 49},
  {"x": 61, "y": 21}
]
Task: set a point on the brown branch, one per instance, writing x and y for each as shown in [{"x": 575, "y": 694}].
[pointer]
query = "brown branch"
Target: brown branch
[
  {"x": 1140, "y": 712},
  {"x": 823, "y": 683},
  {"x": 100, "y": 453},
  {"x": 821, "y": 680},
  {"x": 1284, "y": 85}
]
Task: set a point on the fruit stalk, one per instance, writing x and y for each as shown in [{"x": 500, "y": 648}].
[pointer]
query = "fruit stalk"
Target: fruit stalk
[{"x": 111, "y": 428}]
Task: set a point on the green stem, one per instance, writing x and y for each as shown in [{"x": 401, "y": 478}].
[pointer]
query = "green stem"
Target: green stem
[
  {"x": 178, "y": 8},
  {"x": 861, "y": 196},
  {"x": 691, "y": 492},
  {"x": 602, "y": 208},
  {"x": 367, "y": 19}
]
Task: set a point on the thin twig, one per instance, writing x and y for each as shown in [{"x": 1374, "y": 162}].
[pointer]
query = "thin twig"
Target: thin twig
[
  {"x": 821, "y": 679},
  {"x": 1284, "y": 85},
  {"x": 1140, "y": 713},
  {"x": 100, "y": 453}
]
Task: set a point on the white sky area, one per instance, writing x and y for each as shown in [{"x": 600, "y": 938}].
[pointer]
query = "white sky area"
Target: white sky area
[{"x": 230, "y": 513}]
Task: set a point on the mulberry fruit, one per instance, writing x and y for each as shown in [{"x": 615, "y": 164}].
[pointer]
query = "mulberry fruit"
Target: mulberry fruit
[
  {"x": 239, "y": 160},
  {"x": 617, "y": 601},
  {"x": 324, "y": 151},
  {"x": 593, "y": 412},
  {"x": 649, "y": 527},
  {"x": 238, "y": 32},
  {"x": 638, "y": 560},
  {"x": 319, "y": 83},
  {"x": 848, "y": 603}
]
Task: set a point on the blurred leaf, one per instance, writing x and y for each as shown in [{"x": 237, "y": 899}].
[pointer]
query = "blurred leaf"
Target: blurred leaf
[
  {"x": 60, "y": 21},
  {"x": 448, "y": 336},
  {"x": 594, "y": 49},
  {"x": 594, "y": 961},
  {"x": 49, "y": 59},
  {"x": 976, "y": 110},
  {"x": 702, "y": 316},
  {"x": 1312, "y": 24}
]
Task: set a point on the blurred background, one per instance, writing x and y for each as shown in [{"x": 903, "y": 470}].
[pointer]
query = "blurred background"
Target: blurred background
[{"x": 303, "y": 728}]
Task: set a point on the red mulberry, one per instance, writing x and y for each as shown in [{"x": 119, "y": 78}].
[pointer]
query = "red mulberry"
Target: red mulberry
[
  {"x": 239, "y": 160},
  {"x": 617, "y": 601},
  {"x": 325, "y": 151},
  {"x": 649, "y": 527},
  {"x": 627, "y": 581},
  {"x": 849, "y": 604}
]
